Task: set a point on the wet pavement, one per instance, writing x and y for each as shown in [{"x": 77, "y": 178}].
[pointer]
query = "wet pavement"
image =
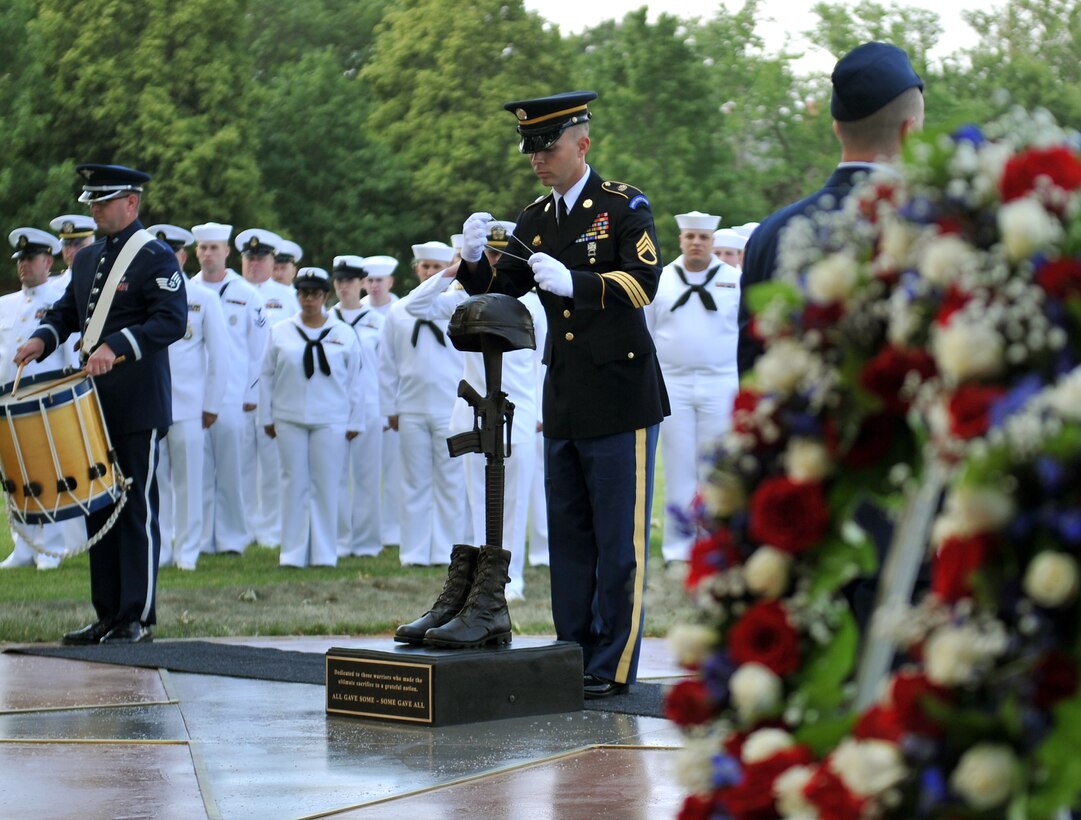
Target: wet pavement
[{"x": 92, "y": 740}]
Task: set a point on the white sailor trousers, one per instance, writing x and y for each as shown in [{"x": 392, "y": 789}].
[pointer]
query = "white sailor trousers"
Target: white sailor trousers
[
  {"x": 433, "y": 500},
  {"x": 312, "y": 457}
]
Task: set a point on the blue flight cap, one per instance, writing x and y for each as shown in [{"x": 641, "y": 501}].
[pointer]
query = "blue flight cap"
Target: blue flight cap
[
  {"x": 867, "y": 78},
  {"x": 541, "y": 121},
  {"x": 105, "y": 182}
]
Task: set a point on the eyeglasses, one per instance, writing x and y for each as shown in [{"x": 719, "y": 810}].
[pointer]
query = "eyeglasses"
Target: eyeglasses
[{"x": 310, "y": 293}]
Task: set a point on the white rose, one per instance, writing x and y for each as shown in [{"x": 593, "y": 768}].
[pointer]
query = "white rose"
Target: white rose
[
  {"x": 1065, "y": 397},
  {"x": 781, "y": 368},
  {"x": 954, "y": 655},
  {"x": 755, "y": 690},
  {"x": 967, "y": 350},
  {"x": 977, "y": 509},
  {"x": 788, "y": 791},
  {"x": 764, "y": 744},
  {"x": 807, "y": 460},
  {"x": 1051, "y": 579},
  {"x": 868, "y": 767},
  {"x": 833, "y": 278},
  {"x": 767, "y": 571},
  {"x": 986, "y": 775},
  {"x": 691, "y": 643},
  {"x": 897, "y": 241},
  {"x": 1027, "y": 227},
  {"x": 944, "y": 258},
  {"x": 723, "y": 494}
]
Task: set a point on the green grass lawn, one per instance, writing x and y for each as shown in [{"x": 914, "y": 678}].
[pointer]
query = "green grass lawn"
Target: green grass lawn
[{"x": 252, "y": 595}]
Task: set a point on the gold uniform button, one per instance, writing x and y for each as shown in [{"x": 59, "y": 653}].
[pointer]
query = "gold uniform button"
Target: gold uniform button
[
  {"x": 569, "y": 337},
  {"x": 630, "y": 355},
  {"x": 566, "y": 314}
]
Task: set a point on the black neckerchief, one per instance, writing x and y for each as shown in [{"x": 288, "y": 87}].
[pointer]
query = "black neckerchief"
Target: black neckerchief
[
  {"x": 314, "y": 346},
  {"x": 707, "y": 299}
]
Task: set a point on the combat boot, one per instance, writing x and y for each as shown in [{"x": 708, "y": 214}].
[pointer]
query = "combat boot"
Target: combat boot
[
  {"x": 484, "y": 618},
  {"x": 463, "y": 567}
]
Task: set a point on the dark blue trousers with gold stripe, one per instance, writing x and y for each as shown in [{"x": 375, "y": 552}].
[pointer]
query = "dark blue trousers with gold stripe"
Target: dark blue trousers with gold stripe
[{"x": 600, "y": 493}]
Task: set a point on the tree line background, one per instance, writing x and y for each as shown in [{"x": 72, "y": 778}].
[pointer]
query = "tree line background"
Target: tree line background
[{"x": 363, "y": 126}]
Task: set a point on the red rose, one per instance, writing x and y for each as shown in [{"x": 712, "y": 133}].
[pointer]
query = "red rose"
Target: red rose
[
  {"x": 711, "y": 555},
  {"x": 1055, "y": 677},
  {"x": 828, "y": 793},
  {"x": 764, "y": 635},
  {"x": 956, "y": 562},
  {"x": 970, "y": 409},
  {"x": 885, "y": 374},
  {"x": 949, "y": 225},
  {"x": 790, "y": 516},
  {"x": 879, "y": 723},
  {"x": 698, "y": 807},
  {"x": 822, "y": 316},
  {"x": 688, "y": 703},
  {"x": 910, "y": 692},
  {"x": 1060, "y": 277},
  {"x": 870, "y": 444},
  {"x": 1058, "y": 165},
  {"x": 952, "y": 301},
  {"x": 752, "y": 797}
]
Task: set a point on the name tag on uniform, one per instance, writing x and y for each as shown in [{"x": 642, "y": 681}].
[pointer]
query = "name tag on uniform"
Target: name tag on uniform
[
  {"x": 725, "y": 284},
  {"x": 272, "y": 304},
  {"x": 236, "y": 302},
  {"x": 194, "y": 308}
]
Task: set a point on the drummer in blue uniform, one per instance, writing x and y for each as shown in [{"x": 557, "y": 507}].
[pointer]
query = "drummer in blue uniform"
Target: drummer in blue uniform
[
  {"x": 590, "y": 247},
  {"x": 127, "y": 298}
]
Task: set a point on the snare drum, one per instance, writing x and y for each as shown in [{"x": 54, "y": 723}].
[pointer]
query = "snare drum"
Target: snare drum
[{"x": 56, "y": 460}]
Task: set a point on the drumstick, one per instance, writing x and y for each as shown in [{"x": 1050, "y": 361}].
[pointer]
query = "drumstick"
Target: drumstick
[
  {"x": 78, "y": 374},
  {"x": 18, "y": 376}
]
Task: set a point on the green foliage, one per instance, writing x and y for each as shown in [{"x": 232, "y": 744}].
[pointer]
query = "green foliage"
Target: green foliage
[
  {"x": 760, "y": 296},
  {"x": 821, "y": 680},
  {"x": 1061, "y": 765}
]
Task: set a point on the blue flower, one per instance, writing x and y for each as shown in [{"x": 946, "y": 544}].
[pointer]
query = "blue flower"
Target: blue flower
[
  {"x": 716, "y": 672},
  {"x": 1050, "y": 473},
  {"x": 1015, "y": 399},
  {"x": 1068, "y": 525},
  {"x": 726, "y": 771},
  {"x": 932, "y": 790},
  {"x": 969, "y": 133}
]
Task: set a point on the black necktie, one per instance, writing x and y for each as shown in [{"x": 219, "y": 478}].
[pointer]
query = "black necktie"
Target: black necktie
[
  {"x": 562, "y": 211},
  {"x": 315, "y": 346},
  {"x": 707, "y": 299},
  {"x": 434, "y": 327}
]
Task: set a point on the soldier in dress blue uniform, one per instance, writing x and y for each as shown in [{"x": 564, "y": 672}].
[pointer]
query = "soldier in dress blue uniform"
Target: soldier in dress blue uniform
[
  {"x": 592, "y": 253},
  {"x": 877, "y": 102},
  {"x": 145, "y": 312}
]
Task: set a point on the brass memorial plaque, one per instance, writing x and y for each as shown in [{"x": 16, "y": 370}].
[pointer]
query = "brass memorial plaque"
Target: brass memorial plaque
[{"x": 389, "y": 690}]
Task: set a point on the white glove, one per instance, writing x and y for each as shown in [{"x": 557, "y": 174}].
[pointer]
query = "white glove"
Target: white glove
[
  {"x": 475, "y": 236},
  {"x": 551, "y": 275}
]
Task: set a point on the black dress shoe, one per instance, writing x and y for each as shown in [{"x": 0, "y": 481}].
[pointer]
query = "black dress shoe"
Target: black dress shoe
[
  {"x": 130, "y": 632},
  {"x": 600, "y": 688},
  {"x": 88, "y": 635}
]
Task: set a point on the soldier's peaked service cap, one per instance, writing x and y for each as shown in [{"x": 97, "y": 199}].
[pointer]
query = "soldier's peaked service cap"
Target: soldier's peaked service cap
[{"x": 542, "y": 120}]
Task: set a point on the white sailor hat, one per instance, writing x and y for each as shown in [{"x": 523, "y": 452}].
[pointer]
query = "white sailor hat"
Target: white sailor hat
[
  {"x": 697, "y": 221},
  {"x": 73, "y": 226},
  {"x": 433, "y": 251},
  {"x": 312, "y": 278},
  {"x": 212, "y": 232},
  {"x": 289, "y": 251},
  {"x": 729, "y": 238},
  {"x": 456, "y": 240},
  {"x": 380, "y": 266},
  {"x": 32, "y": 241},
  {"x": 746, "y": 229},
  {"x": 105, "y": 182},
  {"x": 499, "y": 233},
  {"x": 172, "y": 235},
  {"x": 257, "y": 242},
  {"x": 349, "y": 267}
]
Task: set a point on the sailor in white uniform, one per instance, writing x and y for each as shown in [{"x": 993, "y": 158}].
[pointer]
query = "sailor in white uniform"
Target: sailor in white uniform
[
  {"x": 199, "y": 370},
  {"x": 285, "y": 262},
  {"x": 20, "y": 313},
  {"x": 224, "y": 523},
  {"x": 436, "y": 299},
  {"x": 419, "y": 374},
  {"x": 311, "y": 404},
  {"x": 262, "y": 467},
  {"x": 728, "y": 245},
  {"x": 694, "y": 322},
  {"x": 359, "y": 519},
  {"x": 378, "y": 296},
  {"x": 76, "y": 231}
]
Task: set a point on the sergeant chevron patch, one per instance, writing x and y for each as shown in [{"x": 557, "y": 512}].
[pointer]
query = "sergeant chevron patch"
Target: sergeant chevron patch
[
  {"x": 647, "y": 251},
  {"x": 172, "y": 284}
]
